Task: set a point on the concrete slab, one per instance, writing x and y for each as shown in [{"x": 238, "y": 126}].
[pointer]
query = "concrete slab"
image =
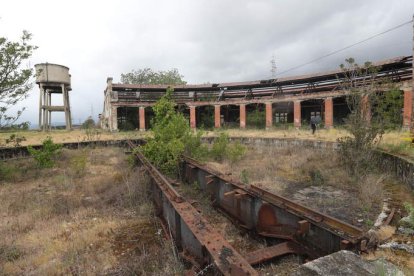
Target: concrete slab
[{"x": 346, "y": 263}]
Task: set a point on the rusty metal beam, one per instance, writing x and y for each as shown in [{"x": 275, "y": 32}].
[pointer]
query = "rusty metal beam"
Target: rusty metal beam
[
  {"x": 195, "y": 235},
  {"x": 272, "y": 252},
  {"x": 271, "y": 215}
]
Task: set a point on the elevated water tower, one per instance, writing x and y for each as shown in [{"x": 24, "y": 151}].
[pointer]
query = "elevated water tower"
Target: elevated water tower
[{"x": 53, "y": 79}]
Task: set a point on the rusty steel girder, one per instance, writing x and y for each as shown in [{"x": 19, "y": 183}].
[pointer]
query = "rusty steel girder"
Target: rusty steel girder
[
  {"x": 274, "y": 216},
  {"x": 193, "y": 235}
]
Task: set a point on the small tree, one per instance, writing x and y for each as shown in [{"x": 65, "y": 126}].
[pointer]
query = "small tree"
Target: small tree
[
  {"x": 14, "y": 81},
  {"x": 46, "y": 155},
  {"x": 368, "y": 115},
  {"x": 172, "y": 136}
]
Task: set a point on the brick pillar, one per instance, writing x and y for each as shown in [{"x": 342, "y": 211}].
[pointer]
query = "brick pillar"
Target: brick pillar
[
  {"x": 141, "y": 118},
  {"x": 269, "y": 115},
  {"x": 193, "y": 117},
  {"x": 366, "y": 108},
  {"x": 408, "y": 105},
  {"x": 328, "y": 112},
  {"x": 217, "y": 116},
  {"x": 297, "y": 117},
  {"x": 242, "y": 116}
]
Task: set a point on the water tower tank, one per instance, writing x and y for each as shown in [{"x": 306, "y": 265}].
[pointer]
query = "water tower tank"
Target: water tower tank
[
  {"x": 53, "y": 79},
  {"x": 52, "y": 73}
]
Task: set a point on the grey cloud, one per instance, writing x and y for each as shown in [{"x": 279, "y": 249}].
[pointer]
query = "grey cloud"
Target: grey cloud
[{"x": 216, "y": 40}]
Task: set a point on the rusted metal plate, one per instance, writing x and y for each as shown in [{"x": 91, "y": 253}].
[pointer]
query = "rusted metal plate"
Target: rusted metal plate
[{"x": 268, "y": 253}]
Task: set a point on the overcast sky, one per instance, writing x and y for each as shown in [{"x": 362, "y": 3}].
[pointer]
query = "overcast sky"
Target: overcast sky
[{"x": 207, "y": 40}]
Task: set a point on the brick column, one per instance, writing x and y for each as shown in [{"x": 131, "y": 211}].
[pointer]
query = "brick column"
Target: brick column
[
  {"x": 297, "y": 117},
  {"x": 193, "y": 117},
  {"x": 269, "y": 115},
  {"x": 141, "y": 118},
  {"x": 217, "y": 118},
  {"x": 408, "y": 105},
  {"x": 242, "y": 116},
  {"x": 328, "y": 112}
]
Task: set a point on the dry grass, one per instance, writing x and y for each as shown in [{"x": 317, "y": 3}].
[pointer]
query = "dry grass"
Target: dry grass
[
  {"x": 35, "y": 137},
  {"x": 312, "y": 177},
  {"x": 88, "y": 215}
]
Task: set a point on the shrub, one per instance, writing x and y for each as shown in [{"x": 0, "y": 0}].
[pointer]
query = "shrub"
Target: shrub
[
  {"x": 223, "y": 149},
  {"x": 218, "y": 150},
  {"x": 15, "y": 139},
  {"x": 172, "y": 137},
  {"x": 46, "y": 155},
  {"x": 235, "y": 152},
  {"x": 78, "y": 164},
  {"x": 244, "y": 176},
  {"x": 410, "y": 209}
]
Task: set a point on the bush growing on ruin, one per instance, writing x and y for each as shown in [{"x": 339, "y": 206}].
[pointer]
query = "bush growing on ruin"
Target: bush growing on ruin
[
  {"x": 45, "y": 157},
  {"x": 172, "y": 136},
  {"x": 256, "y": 118},
  {"x": 368, "y": 116},
  {"x": 15, "y": 81},
  {"x": 222, "y": 149}
]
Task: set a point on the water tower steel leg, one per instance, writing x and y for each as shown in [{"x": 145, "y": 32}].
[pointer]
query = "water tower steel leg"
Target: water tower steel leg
[
  {"x": 40, "y": 106},
  {"x": 46, "y": 111},
  {"x": 44, "y": 125},
  {"x": 50, "y": 112},
  {"x": 69, "y": 111},
  {"x": 65, "y": 108}
]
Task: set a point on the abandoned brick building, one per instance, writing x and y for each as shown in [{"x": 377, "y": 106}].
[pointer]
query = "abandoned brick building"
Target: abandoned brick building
[{"x": 264, "y": 103}]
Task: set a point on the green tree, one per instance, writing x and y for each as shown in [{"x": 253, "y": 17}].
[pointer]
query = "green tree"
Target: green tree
[
  {"x": 172, "y": 137},
  {"x": 149, "y": 76},
  {"x": 14, "y": 79}
]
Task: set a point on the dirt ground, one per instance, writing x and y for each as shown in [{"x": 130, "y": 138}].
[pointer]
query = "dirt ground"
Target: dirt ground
[{"x": 88, "y": 215}]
